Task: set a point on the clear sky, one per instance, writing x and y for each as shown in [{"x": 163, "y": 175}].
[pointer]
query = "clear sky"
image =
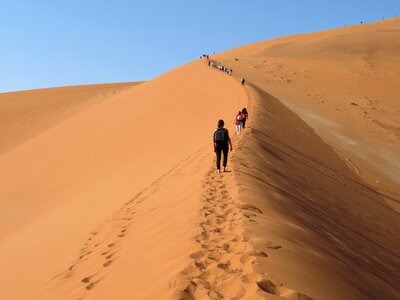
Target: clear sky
[{"x": 53, "y": 42}]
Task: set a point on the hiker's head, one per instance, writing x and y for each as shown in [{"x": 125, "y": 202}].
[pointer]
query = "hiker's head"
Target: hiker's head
[
  {"x": 239, "y": 113},
  {"x": 220, "y": 124}
]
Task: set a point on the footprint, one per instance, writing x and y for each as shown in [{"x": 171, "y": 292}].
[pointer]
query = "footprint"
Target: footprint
[
  {"x": 107, "y": 263},
  {"x": 268, "y": 286},
  {"x": 272, "y": 245},
  {"x": 251, "y": 208},
  {"x": 197, "y": 255},
  {"x": 92, "y": 285},
  {"x": 85, "y": 280},
  {"x": 257, "y": 253}
]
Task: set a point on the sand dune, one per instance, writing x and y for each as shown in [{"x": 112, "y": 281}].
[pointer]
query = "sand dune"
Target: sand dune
[
  {"x": 327, "y": 233},
  {"x": 344, "y": 84},
  {"x": 25, "y": 114},
  {"x": 329, "y": 204},
  {"x": 112, "y": 192},
  {"x": 60, "y": 185}
]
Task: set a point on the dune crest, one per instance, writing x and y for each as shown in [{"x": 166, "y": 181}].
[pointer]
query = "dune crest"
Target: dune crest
[{"x": 118, "y": 197}]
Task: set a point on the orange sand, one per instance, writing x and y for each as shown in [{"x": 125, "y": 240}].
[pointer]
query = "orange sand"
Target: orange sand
[{"x": 110, "y": 192}]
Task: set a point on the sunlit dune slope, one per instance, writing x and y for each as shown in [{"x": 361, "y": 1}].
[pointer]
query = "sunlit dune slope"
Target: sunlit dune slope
[
  {"x": 63, "y": 183},
  {"x": 344, "y": 83},
  {"x": 27, "y": 113}
]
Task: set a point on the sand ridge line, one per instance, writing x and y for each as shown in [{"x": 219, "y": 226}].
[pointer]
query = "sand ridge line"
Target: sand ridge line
[
  {"x": 266, "y": 284},
  {"x": 222, "y": 268},
  {"x": 104, "y": 244}
]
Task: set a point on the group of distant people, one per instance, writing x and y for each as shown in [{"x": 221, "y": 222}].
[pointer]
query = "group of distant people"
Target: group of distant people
[
  {"x": 216, "y": 65},
  {"x": 222, "y": 140}
]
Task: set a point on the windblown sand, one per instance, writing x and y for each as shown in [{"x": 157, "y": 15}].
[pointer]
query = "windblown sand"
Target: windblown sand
[{"x": 110, "y": 191}]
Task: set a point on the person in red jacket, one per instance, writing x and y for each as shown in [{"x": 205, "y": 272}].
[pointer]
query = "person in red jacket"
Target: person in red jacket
[{"x": 238, "y": 122}]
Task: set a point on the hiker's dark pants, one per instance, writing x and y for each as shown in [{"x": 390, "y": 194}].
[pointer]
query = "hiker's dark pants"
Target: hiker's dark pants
[
  {"x": 243, "y": 123},
  {"x": 224, "y": 149}
]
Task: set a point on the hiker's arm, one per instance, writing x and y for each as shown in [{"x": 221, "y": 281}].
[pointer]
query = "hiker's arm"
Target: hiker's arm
[{"x": 229, "y": 140}]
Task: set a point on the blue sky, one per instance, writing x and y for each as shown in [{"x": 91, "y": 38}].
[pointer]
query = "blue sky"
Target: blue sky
[{"x": 54, "y": 43}]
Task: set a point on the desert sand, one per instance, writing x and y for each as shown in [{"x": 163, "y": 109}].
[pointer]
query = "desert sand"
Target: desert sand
[{"x": 110, "y": 191}]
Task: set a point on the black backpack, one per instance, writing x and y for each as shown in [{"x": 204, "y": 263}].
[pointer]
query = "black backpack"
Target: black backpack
[{"x": 220, "y": 135}]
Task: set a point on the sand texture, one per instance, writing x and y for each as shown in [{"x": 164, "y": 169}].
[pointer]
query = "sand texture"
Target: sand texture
[{"x": 110, "y": 191}]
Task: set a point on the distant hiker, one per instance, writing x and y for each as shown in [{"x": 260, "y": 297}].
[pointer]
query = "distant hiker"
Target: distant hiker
[
  {"x": 238, "y": 122},
  {"x": 242, "y": 80},
  {"x": 245, "y": 116},
  {"x": 222, "y": 143}
]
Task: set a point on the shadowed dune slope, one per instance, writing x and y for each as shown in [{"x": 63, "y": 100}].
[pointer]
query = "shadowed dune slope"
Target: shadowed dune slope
[
  {"x": 321, "y": 159},
  {"x": 27, "y": 113},
  {"x": 327, "y": 233},
  {"x": 62, "y": 184}
]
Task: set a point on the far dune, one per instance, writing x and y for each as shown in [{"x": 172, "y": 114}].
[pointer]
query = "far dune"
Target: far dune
[{"x": 25, "y": 114}]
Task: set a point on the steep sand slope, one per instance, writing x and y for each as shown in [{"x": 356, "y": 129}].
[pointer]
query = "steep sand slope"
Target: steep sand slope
[
  {"x": 67, "y": 182},
  {"x": 327, "y": 233},
  {"x": 27, "y": 113},
  {"x": 328, "y": 221},
  {"x": 345, "y": 84}
]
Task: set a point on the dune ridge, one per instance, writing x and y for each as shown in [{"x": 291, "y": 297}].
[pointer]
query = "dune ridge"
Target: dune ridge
[
  {"x": 322, "y": 223},
  {"x": 344, "y": 83},
  {"x": 119, "y": 198},
  {"x": 62, "y": 184}
]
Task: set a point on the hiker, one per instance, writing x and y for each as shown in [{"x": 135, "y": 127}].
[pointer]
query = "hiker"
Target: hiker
[
  {"x": 238, "y": 122},
  {"x": 222, "y": 143},
  {"x": 242, "y": 80},
  {"x": 245, "y": 116}
]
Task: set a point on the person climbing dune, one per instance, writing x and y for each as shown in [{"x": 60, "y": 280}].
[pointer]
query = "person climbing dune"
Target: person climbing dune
[
  {"x": 222, "y": 144},
  {"x": 245, "y": 116},
  {"x": 238, "y": 122}
]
